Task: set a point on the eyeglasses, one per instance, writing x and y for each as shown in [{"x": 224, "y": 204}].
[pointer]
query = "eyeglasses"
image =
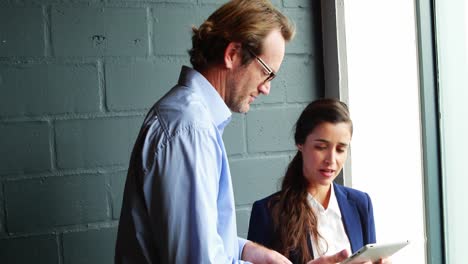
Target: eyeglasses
[{"x": 271, "y": 74}]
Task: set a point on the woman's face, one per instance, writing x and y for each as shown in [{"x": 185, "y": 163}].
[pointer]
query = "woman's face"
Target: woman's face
[{"x": 324, "y": 152}]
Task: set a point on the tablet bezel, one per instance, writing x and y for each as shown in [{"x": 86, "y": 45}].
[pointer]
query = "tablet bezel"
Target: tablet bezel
[{"x": 373, "y": 252}]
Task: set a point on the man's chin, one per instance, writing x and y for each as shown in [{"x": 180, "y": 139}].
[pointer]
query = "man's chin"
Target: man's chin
[
  {"x": 245, "y": 108},
  {"x": 241, "y": 109}
]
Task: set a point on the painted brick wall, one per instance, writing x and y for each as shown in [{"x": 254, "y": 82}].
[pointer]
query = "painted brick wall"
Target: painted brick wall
[{"x": 76, "y": 79}]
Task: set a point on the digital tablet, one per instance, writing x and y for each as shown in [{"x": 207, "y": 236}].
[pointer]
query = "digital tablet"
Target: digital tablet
[{"x": 373, "y": 252}]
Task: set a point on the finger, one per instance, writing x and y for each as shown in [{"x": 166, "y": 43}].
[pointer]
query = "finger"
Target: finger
[
  {"x": 338, "y": 257},
  {"x": 285, "y": 260},
  {"x": 279, "y": 258}
]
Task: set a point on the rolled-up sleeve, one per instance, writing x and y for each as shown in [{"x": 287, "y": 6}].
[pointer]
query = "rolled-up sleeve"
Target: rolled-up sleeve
[{"x": 241, "y": 241}]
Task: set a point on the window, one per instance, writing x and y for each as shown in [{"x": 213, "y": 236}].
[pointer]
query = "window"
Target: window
[
  {"x": 452, "y": 51},
  {"x": 382, "y": 90}
]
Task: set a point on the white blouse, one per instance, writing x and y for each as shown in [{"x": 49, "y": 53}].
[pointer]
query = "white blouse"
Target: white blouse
[{"x": 330, "y": 226}]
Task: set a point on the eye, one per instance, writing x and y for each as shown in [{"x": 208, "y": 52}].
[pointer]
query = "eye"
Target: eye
[
  {"x": 320, "y": 147},
  {"x": 341, "y": 149}
]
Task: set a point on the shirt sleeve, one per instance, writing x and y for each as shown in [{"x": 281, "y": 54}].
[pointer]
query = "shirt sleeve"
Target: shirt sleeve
[
  {"x": 242, "y": 242},
  {"x": 182, "y": 195}
]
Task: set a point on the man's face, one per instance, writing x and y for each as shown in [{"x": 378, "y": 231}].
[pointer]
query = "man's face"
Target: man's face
[{"x": 248, "y": 81}]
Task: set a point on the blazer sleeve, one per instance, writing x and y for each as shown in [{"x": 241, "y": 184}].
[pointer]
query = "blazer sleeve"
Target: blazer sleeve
[
  {"x": 371, "y": 237},
  {"x": 357, "y": 214},
  {"x": 260, "y": 224}
]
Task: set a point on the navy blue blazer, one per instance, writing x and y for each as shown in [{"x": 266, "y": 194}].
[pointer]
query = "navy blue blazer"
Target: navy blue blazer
[{"x": 356, "y": 212}]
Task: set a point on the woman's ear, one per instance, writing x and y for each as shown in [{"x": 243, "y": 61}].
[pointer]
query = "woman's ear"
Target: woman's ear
[
  {"x": 299, "y": 147},
  {"x": 232, "y": 54}
]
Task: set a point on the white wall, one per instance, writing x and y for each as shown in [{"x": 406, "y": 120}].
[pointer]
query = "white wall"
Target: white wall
[
  {"x": 452, "y": 36},
  {"x": 384, "y": 104}
]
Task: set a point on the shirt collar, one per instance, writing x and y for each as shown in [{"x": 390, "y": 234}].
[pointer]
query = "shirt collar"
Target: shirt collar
[
  {"x": 332, "y": 204},
  {"x": 216, "y": 106}
]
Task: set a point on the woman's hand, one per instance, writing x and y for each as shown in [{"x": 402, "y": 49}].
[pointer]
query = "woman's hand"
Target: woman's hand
[
  {"x": 333, "y": 259},
  {"x": 384, "y": 261}
]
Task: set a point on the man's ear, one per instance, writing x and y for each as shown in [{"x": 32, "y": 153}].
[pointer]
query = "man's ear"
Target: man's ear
[
  {"x": 299, "y": 147},
  {"x": 232, "y": 54}
]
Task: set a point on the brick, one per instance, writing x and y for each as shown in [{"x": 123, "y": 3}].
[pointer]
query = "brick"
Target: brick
[
  {"x": 32, "y": 249},
  {"x": 2, "y": 212},
  {"x": 42, "y": 204},
  {"x": 36, "y": 2},
  {"x": 271, "y": 129},
  {"x": 138, "y": 85},
  {"x": 276, "y": 3},
  {"x": 174, "y": 36},
  {"x": 307, "y": 23},
  {"x": 255, "y": 178},
  {"x": 304, "y": 79},
  {"x": 48, "y": 89},
  {"x": 91, "y": 246},
  {"x": 286, "y": 82},
  {"x": 117, "y": 185},
  {"x": 219, "y": 2},
  {"x": 157, "y": 1},
  {"x": 21, "y": 32},
  {"x": 25, "y": 147},
  {"x": 234, "y": 135},
  {"x": 297, "y": 3},
  {"x": 277, "y": 89},
  {"x": 300, "y": 79},
  {"x": 243, "y": 218},
  {"x": 95, "y": 142},
  {"x": 99, "y": 32}
]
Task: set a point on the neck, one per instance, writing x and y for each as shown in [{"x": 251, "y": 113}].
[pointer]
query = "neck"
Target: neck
[
  {"x": 321, "y": 194},
  {"x": 217, "y": 78}
]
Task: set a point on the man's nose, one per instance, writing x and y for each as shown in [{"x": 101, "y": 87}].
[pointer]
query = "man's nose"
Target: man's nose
[{"x": 265, "y": 88}]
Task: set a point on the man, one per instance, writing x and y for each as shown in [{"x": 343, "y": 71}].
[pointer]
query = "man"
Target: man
[{"x": 178, "y": 204}]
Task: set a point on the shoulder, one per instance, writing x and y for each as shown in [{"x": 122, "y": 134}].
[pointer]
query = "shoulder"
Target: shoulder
[
  {"x": 179, "y": 117},
  {"x": 265, "y": 201},
  {"x": 261, "y": 222},
  {"x": 351, "y": 194},
  {"x": 182, "y": 108},
  {"x": 262, "y": 208}
]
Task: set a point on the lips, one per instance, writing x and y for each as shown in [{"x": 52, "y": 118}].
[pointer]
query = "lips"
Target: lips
[
  {"x": 252, "y": 98},
  {"x": 327, "y": 172}
]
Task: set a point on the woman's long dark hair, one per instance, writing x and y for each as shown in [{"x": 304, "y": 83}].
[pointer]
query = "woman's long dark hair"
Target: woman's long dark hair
[{"x": 292, "y": 216}]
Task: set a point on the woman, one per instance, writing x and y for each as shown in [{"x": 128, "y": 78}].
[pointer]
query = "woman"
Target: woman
[{"x": 313, "y": 216}]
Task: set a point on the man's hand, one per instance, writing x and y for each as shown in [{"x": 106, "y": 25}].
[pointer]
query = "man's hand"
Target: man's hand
[{"x": 258, "y": 254}]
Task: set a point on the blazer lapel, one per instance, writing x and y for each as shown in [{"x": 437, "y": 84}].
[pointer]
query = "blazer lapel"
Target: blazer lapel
[{"x": 350, "y": 216}]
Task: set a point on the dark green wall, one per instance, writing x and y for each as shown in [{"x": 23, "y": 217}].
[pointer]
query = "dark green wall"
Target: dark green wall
[{"x": 77, "y": 77}]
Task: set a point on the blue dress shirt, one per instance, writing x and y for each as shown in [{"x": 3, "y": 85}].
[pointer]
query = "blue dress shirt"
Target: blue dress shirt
[{"x": 178, "y": 204}]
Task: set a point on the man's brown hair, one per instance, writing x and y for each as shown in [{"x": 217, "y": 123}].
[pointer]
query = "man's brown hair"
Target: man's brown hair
[{"x": 245, "y": 21}]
